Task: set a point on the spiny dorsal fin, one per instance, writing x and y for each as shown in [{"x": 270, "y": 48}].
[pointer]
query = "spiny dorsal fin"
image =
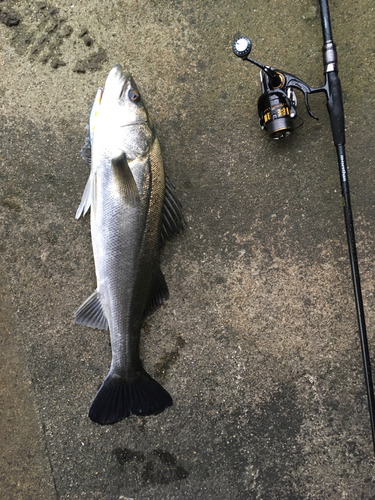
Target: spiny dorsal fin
[
  {"x": 124, "y": 179},
  {"x": 173, "y": 221}
]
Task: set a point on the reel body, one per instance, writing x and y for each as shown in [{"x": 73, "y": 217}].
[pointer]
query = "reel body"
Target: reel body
[{"x": 276, "y": 108}]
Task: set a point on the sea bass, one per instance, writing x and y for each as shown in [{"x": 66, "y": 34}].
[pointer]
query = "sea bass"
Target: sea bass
[{"x": 133, "y": 211}]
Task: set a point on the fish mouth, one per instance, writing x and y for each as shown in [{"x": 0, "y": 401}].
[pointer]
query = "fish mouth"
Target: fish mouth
[
  {"x": 124, "y": 80},
  {"x": 117, "y": 81}
]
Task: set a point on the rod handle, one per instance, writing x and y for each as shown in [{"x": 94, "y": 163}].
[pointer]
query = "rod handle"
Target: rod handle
[{"x": 336, "y": 108}]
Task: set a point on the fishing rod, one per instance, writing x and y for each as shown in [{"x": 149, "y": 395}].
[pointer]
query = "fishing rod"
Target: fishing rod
[{"x": 277, "y": 110}]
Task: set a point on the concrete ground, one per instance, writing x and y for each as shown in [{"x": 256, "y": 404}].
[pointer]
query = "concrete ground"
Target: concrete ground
[{"x": 258, "y": 344}]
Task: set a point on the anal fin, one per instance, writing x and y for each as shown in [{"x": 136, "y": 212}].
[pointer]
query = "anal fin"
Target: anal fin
[{"x": 90, "y": 313}]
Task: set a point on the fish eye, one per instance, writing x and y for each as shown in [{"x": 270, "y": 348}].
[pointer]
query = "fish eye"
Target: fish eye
[{"x": 134, "y": 95}]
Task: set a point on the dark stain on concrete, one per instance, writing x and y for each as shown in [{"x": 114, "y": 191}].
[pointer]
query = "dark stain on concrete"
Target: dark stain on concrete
[{"x": 158, "y": 467}]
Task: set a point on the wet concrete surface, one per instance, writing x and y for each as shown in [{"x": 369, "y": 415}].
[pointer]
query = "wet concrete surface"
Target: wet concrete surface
[{"x": 258, "y": 343}]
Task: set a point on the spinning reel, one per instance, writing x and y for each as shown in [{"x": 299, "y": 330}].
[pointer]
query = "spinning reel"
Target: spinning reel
[{"x": 277, "y": 106}]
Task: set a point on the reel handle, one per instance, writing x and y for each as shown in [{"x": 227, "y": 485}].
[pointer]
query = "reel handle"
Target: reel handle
[{"x": 242, "y": 48}]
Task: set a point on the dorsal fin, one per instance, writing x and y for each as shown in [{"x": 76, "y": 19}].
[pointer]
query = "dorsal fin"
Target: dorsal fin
[
  {"x": 173, "y": 221},
  {"x": 159, "y": 293}
]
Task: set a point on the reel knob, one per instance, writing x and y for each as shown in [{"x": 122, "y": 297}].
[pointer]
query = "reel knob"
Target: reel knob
[{"x": 242, "y": 47}]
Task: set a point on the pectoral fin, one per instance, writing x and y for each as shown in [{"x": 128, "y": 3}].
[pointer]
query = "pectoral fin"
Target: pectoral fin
[
  {"x": 124, "y": 179},
  {"x": 86, "y": 200}
]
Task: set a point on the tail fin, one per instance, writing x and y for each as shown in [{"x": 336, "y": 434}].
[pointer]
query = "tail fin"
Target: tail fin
[{"x": 118, "y": 397}]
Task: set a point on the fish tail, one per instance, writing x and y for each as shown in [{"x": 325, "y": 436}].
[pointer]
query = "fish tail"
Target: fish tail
[{"x": 119, "y": 397}]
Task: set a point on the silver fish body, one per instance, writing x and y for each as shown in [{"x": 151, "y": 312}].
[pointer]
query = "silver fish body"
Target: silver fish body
[{"x": 133, "y": 210}]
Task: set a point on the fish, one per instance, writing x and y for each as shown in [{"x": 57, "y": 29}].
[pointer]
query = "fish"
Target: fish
[{"x": 134, "y": 211}]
